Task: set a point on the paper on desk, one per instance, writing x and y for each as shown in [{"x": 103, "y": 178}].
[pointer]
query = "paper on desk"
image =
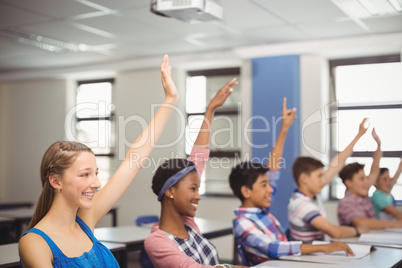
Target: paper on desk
[
  {"x": 384, "y": 238},
  {"x": 393, "y": 230},
  {"x": 334, "y": 257}
]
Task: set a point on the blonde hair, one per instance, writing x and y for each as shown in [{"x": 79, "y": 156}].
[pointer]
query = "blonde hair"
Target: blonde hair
[{"x": 57, "y": 158}]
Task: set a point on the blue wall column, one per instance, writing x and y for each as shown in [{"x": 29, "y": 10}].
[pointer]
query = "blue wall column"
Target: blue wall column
[{"x": 274, "y": 78}]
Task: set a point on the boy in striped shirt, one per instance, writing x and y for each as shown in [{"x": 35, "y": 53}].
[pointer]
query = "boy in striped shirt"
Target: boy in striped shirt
[{"x": 305, "y": 210}]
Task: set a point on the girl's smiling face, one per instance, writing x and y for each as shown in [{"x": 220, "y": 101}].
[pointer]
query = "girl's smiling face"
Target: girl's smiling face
[
  {"x": 185, "y": 194},
  {"x": 80, "y": 181}
]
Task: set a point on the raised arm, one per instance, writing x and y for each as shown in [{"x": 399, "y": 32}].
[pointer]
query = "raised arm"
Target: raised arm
[
  {"x": 221, "y": 96},
  {"x": 275, "y": 159},
  {"x": 375, "y": 167},
  {"x": 200, "y": 153},
  {"x": 339, "y": 160},
  {"x": 397, "y": 173},
  {"x": 138, "y": 152}
]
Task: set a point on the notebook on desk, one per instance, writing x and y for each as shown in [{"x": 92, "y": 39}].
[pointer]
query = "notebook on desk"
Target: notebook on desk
[{"x": 360, "y": 251}]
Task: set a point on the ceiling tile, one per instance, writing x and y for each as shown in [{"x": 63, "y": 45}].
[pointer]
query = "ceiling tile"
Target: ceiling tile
[
  {"x": 331, "y": 29},
  {"x": 53, "y": 8},
  {"x": 124, "y": 28},
  {"x": 384, "y": 24},
  {"x": 277, "y": 34},
  {"x": 246, "y": 15},
  {"x": 170, "y": 25},
  {"x": 122, "y": 4},
  {"x": 12, "y": 16},
  {"x": 302, "y": 11},
  {"x": 64, "y": 31}
]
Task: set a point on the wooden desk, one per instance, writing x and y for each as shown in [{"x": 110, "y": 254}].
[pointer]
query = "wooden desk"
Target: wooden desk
[
  {"x": 9, "y": 256},
  {"x": 380, "y": 257}
]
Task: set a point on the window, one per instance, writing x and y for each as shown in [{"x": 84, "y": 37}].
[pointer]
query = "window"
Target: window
[
  {"x": 368, "y": 87},
  {"x": 95, "y": 121},
  {"x": 201, "y": 87}
]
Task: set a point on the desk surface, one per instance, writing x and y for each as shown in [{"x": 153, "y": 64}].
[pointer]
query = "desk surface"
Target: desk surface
[
  {"x": 9, "y": 255},
  {"x": 122, "y": 234},
  {"x": 380, "y": 257},
  {"x": 134, "y": 236},
  {"x": 21, "y": 213},
  {"x": 355, "y": 240}
]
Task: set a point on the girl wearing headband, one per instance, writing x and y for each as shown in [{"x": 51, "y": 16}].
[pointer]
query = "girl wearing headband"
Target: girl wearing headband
[
  {"x": 69, "y": 207},
  {"x": 176, "y": 240}
]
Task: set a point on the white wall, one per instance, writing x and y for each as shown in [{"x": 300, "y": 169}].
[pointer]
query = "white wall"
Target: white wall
[{"x": 32, "y": 118}]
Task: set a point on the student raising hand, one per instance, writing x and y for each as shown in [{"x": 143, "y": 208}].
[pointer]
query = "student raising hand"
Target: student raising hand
[
  {"x": 287, "y": 115},
  {"x": 222, "y": 94},
  {"x": 166, "y": 77},
  {"x": 217, "y": 101}
]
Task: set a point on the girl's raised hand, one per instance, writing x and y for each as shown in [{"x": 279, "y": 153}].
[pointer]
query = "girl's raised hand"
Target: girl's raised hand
[
  {"x": 222, "y": 94},
  {"x": 167, "y": 81}
]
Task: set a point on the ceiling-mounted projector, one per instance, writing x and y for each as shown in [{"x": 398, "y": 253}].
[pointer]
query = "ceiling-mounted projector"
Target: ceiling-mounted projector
[{"x": 188, "y": 10}]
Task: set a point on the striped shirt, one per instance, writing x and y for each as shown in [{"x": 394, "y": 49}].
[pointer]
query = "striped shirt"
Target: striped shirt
[
  {"x": 354, "y": 206},
  {"x": 261, "y": 235},
  {"x": 301, "y": 211}
]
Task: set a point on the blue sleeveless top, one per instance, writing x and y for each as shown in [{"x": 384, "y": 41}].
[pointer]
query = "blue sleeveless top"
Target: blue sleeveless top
[{"x": 98, "y": 256}]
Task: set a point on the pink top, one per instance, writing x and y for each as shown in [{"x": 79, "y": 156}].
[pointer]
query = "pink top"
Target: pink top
[{"x": 164, "y": 252}]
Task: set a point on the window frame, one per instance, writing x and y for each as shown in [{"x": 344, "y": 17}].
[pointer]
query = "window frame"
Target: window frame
[
  {"x": 334, "y": 109},
  {"x": 110, "y": 118},
  {"x": 235, "y": 71}
]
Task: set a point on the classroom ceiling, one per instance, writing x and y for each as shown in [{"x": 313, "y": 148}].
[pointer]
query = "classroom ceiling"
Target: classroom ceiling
[{"x": 108, "y": 31}]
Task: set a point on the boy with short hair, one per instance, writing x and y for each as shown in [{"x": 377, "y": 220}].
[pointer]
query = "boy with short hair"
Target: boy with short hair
[
  {"x": 355, "y": 209},
  {"x": 306, "y": 210},
  {"x": 382, "y": 199},
  {"x": 258, "y": 231}
]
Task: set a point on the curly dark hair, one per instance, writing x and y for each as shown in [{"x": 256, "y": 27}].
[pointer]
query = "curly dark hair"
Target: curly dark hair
[{"x": 166, "y": 170}]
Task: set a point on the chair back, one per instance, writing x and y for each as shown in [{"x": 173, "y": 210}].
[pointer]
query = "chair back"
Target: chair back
[
  {"x": 146, "y": 219},
  {"x": 242, "y": 253}
]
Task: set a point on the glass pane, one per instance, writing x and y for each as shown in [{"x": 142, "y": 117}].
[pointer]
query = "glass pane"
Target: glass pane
[
  {"x": 201, "y": 89},
  {"x": 369, "y": 83},
  {"x": 195, "y": 94},
  {"x": 387, "y": 122},
  {"x": 94, "y": 100},
  {"x": 217, "y": 175},
  {"x": 95, "y": 134},
  {"x": 225, "y": 132},
  {"x": 215, "y": 83}
]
